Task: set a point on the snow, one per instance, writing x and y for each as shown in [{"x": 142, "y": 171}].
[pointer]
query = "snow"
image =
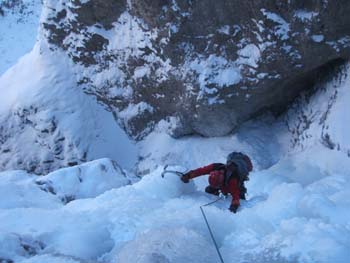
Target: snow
[
  {"x": 159, "y": 218},
  {"x": 224, "y": 30},
  {"x": 32, "y": 197},
  {"x": 127, "y": 35},
  {"x": 305, "y": 15},
  {"x": 18, "y": 190},
  {"x": 214, "y": 70},
  {"x": 282, "y": 29},
  {"x": 18, "y": 32},
  {"x": 84, "y": 181},
  {"x": 339, "y": 119},
  {"x": 296, "y": 221},
  {"x": 134, "y": 109},
  {"x": 149, "y": 247},
  {"x": 317, "y": 38},
  {"x": 249, "y": 55},
  {"x": 141, "y": 72},
  {"x": 342, "y": 42},
  {"x": 51, "y": 259},
  {"x": 323, "y": 119}
]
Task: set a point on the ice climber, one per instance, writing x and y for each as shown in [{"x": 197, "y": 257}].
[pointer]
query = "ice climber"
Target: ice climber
[{"x": 226, "y": 178}]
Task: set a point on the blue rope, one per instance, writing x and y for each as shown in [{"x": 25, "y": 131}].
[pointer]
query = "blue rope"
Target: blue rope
[{"x": 211, "y": 233}]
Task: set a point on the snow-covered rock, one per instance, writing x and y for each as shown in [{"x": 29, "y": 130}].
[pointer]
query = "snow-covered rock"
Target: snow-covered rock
[
  {"x": 18, "y": 189},
  {"x": 211, "y": 65},
  {"x": 84, "y": 181},
  {"x": 46, "y": 115}
]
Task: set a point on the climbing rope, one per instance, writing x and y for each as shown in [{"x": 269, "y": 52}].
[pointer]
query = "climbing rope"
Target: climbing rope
[
  {"x": 211, "y": 233},
  {"x": 165, "y": 171}
]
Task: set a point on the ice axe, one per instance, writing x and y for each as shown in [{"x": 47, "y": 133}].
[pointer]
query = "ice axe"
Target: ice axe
[{"x": 165, "y": 171}]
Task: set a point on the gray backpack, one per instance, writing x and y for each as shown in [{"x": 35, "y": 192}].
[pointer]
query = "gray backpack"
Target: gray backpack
[{"x": 243, "y": 164}]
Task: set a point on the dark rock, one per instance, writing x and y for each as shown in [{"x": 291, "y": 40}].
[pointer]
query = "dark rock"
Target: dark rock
[
  {"x": 72, "y": 163},
  {"x": 149, "y": 10},
  {"x": 68, "y": 198},
  {"x": 60, "y": 16},
  {"x": 326, "y": 141},
  {"x": 32, "y": 248},
  {"x": 57, "y": 35},
  {"x": 93, "y": 44},
  {"x": 46, "y": 186},
  {"x": 103, "y": 12}
]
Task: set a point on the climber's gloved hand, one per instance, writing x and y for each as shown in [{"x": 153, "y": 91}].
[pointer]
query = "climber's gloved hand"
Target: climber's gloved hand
[
  {"x": 186, "y": 178},
  {"x": 233, "y": 208}
]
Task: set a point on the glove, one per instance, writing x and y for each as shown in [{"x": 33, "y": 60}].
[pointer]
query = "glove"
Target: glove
[
  {"x": 185, "y": 178},
  {"x": 234, "y": 208}
]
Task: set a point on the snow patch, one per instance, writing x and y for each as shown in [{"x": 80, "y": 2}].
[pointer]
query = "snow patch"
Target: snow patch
[
  {"x": 135, "y": 109},
  {"x": 317, "y": 38},
  {"x": 249, "y": 55},
  {"x": 141, "y": 72},
  {"x": 224, "y": 30},
  {"x": 305, "y": 15},
  {"x": 128, "y": 36},
  {"x": 214, "y": 70},
  {"x": 282, "y": 29}
]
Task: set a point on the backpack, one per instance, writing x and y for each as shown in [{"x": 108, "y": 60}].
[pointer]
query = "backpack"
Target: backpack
[{"x": 243, "y": 164}]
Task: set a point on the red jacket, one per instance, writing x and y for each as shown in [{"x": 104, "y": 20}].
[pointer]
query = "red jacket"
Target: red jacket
[{"x": 230, "y": 187}]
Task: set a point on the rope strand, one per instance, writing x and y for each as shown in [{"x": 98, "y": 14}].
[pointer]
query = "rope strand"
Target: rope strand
[{"x": 211, "y": 233}]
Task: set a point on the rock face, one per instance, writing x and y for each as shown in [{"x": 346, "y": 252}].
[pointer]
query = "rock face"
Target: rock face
[{"x": 203, "y": 66}]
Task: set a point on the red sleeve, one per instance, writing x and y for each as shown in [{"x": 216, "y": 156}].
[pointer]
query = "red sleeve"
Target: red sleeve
[
  {"x": 202, "y": 171},
  {"x": 233, "y": 188}
]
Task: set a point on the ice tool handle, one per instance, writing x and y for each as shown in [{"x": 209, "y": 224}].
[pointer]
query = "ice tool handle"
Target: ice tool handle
[{"x": 165, "y": 171}]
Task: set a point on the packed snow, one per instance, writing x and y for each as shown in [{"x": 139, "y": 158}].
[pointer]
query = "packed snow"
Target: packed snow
[{"x": 159, "y": 218}]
